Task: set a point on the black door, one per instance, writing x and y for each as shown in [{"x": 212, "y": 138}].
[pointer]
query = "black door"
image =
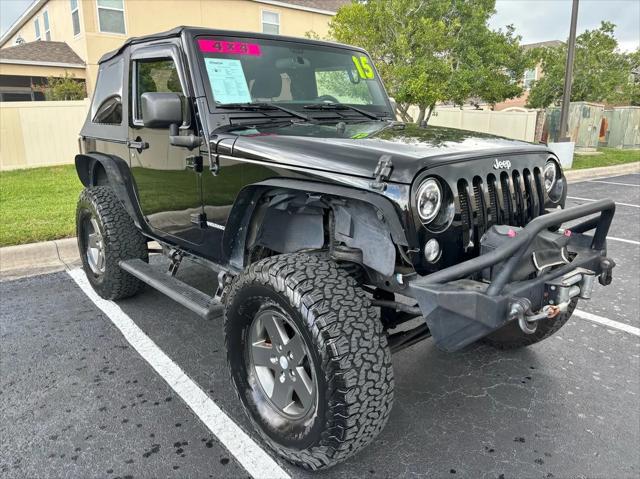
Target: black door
[{"x": 168, "y": 189}]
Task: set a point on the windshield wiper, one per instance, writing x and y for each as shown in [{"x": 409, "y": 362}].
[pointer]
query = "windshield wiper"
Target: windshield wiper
[
  {"x": 262, "y": 106},
  {"x": 341, "y": 106}
]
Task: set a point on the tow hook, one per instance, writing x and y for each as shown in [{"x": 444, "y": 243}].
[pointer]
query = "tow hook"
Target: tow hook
[{"x": 527, "y": 319}]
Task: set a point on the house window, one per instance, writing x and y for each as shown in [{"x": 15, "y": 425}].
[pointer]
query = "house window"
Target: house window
[
  {"x": 47, "y": 30},
  {"x": 36, "y": 25},
  {"x": 529, "y": 78},
  {"x": 75, "y": 17},
  {"x": 270, "y": 22},
  {"x": 111, "y": 16}
]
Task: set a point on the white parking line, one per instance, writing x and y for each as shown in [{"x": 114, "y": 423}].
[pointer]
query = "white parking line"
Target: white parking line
[
  {"x": 245, "y": 450},
  {"x": 609, "y": 323},
  {"x": 589, "y": 199},
  {"x": 622, "y": 240},
  {"x": 613, "y": 183}
]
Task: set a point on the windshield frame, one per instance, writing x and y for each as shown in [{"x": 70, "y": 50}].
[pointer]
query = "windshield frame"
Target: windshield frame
[{"x": 213, "y": 109}]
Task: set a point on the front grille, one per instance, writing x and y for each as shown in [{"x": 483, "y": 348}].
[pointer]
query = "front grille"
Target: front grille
[{"x": 510, "y": 199}]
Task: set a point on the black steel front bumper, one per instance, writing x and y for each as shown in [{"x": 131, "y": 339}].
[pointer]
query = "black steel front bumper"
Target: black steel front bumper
[{"x": 459, "y": 311}]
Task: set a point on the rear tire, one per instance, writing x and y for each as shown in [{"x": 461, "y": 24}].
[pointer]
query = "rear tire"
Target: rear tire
[
  {"x": 345, "y": 363},
  {"x": 511, "y": 336},
  {"x": 107, "y": 235}
]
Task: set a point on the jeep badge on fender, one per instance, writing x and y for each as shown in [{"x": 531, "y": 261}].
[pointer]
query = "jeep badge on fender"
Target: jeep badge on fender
[{"x": 327, "y": 222}]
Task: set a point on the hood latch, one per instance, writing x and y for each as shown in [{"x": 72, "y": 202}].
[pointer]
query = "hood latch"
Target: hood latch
[{"x": 382, "y": 173}]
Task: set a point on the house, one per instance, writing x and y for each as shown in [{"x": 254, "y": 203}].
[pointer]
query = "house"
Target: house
[
  {"x": 90, "y": 28},
  {"x": 529, "y": 77},
  {"x": 24, "y": 68}
]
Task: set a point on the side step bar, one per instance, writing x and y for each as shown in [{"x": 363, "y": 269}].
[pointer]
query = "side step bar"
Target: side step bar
[{"x": 191, "y": 298}]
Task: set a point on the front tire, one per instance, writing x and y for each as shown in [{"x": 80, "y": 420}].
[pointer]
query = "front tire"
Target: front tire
[
  {"x": 298, "y": 323},
  {"x": 107, "y": 235}
]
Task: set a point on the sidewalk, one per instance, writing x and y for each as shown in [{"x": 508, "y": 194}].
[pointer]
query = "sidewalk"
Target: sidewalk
[{"x": 50, "y": 256}]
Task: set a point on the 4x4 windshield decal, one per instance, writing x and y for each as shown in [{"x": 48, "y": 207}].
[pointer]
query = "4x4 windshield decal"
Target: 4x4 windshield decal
[{"x": 229, "y": 48}]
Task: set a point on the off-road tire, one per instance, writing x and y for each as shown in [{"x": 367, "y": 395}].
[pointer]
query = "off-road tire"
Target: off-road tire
[
  {"x": 511, "y": 336},
  {"x": 344, "y": 336},
  {"x": 122, "y": 241}
]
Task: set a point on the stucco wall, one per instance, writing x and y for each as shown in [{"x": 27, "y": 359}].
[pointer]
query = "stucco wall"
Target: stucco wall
[{"x": 40, "y": 133}]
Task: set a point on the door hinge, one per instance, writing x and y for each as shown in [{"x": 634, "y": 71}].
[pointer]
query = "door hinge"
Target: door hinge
[
  {"x": 382, "y": 172},
  {"x": 194, "y": 163}
]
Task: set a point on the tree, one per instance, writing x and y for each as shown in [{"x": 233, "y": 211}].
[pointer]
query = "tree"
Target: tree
[
  {"x": 64, "y": 88},
  {"x": 436, "y": 50},
  {"x": 601, "y": 73}
]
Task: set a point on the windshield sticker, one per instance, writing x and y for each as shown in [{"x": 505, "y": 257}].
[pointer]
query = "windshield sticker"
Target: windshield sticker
[
  {"x": 364, "y": 69},
  {"x": 229, "y": 48},
  {"x": 227, "y": 80}
]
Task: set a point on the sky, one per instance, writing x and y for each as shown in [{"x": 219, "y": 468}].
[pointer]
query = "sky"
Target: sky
[{"x": 535, "y": 20}]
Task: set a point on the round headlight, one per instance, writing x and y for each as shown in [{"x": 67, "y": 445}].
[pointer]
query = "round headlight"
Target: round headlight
[
  {"x": 429, "y": 200},
  {"x": 550, "y": 175}
]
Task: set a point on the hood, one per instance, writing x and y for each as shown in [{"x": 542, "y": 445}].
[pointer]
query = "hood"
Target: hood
[{"x": 355, "y": 148}]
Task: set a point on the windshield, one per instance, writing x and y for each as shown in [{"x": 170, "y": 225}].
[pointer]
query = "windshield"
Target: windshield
[{"x": 291, "y": 74}]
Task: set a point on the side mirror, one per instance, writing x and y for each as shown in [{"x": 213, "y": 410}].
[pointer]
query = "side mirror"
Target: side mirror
[
  {"x": 166, "y": 110},
  {"x": 161, "y": 110}
]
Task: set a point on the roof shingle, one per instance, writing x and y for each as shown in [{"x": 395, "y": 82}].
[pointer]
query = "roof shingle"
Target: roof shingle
[
  {"x": 40, "y": 51},
  {"x": 330, "y": 5}
]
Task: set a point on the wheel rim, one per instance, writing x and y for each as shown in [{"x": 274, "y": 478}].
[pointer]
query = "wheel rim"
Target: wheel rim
[
  {"x": 94, "y": 244},
  {"x": 282, "y": 364}
]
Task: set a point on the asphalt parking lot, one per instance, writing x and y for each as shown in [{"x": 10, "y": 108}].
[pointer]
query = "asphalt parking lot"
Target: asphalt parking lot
[{"x": 83, "y": 395}]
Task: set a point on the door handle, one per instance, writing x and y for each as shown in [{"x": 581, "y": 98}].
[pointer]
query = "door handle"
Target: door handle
[{"x": 137, "y": 144}]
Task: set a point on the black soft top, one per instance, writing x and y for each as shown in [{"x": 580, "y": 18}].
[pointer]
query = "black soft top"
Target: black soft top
[{"x": 177, "y": 31}]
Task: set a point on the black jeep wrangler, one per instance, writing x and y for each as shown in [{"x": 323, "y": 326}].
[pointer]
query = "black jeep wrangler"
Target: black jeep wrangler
[{"x": 338, "y": 234}]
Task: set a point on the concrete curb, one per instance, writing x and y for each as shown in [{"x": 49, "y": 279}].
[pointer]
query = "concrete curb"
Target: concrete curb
[
  {"x": 38, "y": 258},
  {"x": 601, "y": 172}
]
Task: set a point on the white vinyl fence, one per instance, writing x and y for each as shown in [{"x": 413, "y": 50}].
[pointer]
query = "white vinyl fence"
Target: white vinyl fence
[
  {"x": 519, "y": 125},
  {"x": 40, "y": 133}
]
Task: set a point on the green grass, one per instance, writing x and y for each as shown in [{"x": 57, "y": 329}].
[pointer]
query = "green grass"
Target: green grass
[
  {"x": 38, "y": 204},
  {"x": 609, "y": 156}
]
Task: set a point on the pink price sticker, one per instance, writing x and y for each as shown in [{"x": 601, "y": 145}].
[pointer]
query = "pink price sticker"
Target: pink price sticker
[{"x": 229, "y": 48}]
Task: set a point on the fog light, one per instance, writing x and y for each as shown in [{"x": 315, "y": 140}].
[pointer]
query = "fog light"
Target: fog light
[{"x": 432, "y": 250}]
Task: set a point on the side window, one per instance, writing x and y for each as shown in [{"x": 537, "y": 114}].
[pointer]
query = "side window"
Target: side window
[
  {"x": 109, "y": 111},
  {"x": 106, "y": 107},
  {"x": 154, "y": 75}
]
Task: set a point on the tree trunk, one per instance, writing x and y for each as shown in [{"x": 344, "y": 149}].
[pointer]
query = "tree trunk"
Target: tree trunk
[
  {"x": 421, "y": 114},
  {"x": 403, "y": 110},
  {"x": 431, "y": 108}
]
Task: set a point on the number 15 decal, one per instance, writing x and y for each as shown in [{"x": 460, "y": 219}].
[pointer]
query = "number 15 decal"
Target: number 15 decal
[{"x": 362, "y": 65}]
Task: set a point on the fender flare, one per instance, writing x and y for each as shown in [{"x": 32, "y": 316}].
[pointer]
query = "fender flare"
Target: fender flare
[
  {"x": 242, "y": 212},
  {"x": 119, "y": 176}
]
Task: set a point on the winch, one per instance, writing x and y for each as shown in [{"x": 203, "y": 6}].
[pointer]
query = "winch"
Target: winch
[{"x": 559, "y": 292}]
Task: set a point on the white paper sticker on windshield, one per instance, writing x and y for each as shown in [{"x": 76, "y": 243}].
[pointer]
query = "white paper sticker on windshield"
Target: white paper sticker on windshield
[{"x": 227, "y": 80}]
